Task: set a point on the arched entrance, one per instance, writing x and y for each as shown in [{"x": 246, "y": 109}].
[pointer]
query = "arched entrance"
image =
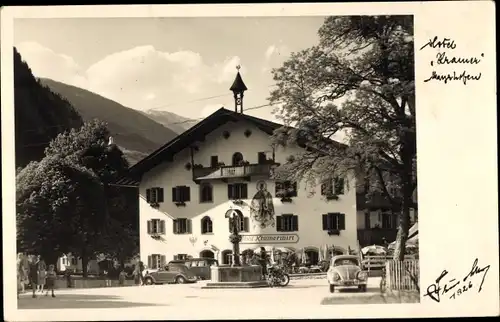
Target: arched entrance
[
  {"x": 312, "y": 256},
  {"x": 207, "y": 254}
]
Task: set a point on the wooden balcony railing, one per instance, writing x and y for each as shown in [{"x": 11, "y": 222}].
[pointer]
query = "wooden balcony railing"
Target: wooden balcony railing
[
  {"x": 375, "y": 236},
  {"x": 225, "y": 172}
]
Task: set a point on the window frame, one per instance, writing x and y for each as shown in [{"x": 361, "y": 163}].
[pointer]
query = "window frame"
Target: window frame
[
  {"x": 211, "y": 193},
  {"x": 176, "y": 226},
  {"x": 285, "y": 186},
  {"x": 206, "y": 222}
]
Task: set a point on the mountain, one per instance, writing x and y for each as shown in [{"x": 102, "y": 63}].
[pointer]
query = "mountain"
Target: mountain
[
  {"x": 171, "y": 120},
  {"x": 39, "y": 113},
  {"x": 137, "y": 134}
]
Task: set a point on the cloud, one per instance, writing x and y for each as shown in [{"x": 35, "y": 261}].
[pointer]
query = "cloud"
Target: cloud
[
  {"x": 136, "y": 77},
  {"x": 276, "y": 51},
  {"x": 270, "y": 51}
]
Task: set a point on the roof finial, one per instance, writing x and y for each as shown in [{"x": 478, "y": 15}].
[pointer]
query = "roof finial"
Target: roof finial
[{"x": 238, "y": 67}]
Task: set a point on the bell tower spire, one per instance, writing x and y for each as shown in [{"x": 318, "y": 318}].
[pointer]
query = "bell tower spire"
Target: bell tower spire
[{"x": 238, "y": 88}]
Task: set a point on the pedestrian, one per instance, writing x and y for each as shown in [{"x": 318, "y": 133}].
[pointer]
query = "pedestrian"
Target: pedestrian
[
  {"x": 42, "y": 272},
  {"x": 51, "y": 280},
  {"x": 69, "y": 283},
  {"x": 122, "y": 277},
  {"x": 141, "y": 272},
  {"x": 107, "y": 281},
  {"x": 33, "y": 273},
  {"x": 263, "y": 260},
  {"x": 22, "y": 272}
]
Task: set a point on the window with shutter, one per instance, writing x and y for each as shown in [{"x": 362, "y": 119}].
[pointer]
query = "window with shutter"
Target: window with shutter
[
  {"x": 148, "y": 195},
  {"x": 150, "y": 227},
  {"x": 278, "y": 189},
  {"x": 160, "y": 195},
  {"x": 150, "y": 261},
  {"x": 162, "y": 227},
  {"x": 230, "y": 191},
  {"x": 279, "y": 226},
  {"x": 325, "y": 222}
]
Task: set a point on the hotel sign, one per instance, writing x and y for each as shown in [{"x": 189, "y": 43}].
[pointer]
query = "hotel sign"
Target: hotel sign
[{"x": 270, "y": 239}]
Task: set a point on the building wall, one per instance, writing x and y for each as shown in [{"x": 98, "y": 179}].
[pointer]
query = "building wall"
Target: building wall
[
  {"x": 309, "y": 205},
  {"x": 376, "y": 218}
]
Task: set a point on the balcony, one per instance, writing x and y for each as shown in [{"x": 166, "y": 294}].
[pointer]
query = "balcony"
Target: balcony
[{"x": 227, "y": 172}]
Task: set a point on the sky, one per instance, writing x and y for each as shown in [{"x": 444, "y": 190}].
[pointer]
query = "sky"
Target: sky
[{"x": 180, "y": 65}]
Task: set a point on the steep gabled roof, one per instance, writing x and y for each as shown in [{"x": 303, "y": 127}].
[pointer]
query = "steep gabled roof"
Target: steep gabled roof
[{"x": 195, "y": 133}]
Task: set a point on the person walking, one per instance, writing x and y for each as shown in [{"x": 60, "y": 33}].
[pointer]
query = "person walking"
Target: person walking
[
  {"x": 51, "y": 280},
  {"x": 42, "y": 272},
  {"x": 263, "y": 260},
  {"x": 122, "y": 277},
  {"x": 33, "y": 273}
]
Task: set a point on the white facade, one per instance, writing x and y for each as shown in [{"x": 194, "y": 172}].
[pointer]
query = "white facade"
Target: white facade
[{"x": 309, "y": 205}]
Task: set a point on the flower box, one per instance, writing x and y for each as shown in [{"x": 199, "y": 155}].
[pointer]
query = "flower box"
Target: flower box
[{"x": 180, "y": 204}]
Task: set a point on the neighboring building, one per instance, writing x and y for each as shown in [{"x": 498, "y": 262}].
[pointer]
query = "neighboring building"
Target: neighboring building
[
  {"x": 225, "y": 162},
  {"x": 378, "y": 222},
  {"x": 74, "y": 263}
]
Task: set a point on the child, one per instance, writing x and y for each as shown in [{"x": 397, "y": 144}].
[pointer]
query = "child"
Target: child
[
  {"x": 122, "y": 277},
  {"x": 51, "y": 280}
]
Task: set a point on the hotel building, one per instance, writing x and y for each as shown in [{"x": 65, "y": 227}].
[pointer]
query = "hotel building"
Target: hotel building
[{"x": 224, "y": 163}]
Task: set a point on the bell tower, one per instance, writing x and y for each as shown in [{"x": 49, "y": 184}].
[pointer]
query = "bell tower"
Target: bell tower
[{"x": 238, "y": 88}]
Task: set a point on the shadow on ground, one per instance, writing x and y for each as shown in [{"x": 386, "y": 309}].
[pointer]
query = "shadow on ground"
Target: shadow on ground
[
  {"x": 379, "y": 298},
  {"x": 75, "y": 301}
]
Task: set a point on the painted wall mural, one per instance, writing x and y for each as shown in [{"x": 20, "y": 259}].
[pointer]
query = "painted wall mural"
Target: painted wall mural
[{"x": 261, "y": 207}]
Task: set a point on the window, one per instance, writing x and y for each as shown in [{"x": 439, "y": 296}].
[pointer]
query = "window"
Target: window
[
  {"x": 156, "y": 226},
  {"x": 389, "y": 221},
  {"x": 182, "y": 257},
  {"x": 287, "y": 222},
  {"x": 74, "y": 260},
  {"x": 237, "y": 159},
  {"x": 181, "y": 194},
  {"x": 237, "y": 191},
  {"x": 286, "y": 189},
  {"x": 243, "y": 225},
  {"x": 334, "y": 221},
  {"x": 227, "y": 257},
  {"x": 182, "y": 226},
  {"x": 156, "y": 261},
  {"x": 154, "y": 195},
  {"x": 206, "y": 192},
  {"x": 261, "y": 157},
  {"x": 333, "y": 187},
  {"x": 206, "y": 225},
  {"x": 214, "y": 161}
]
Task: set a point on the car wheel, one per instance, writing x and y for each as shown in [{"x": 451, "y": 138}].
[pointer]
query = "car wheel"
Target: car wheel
[
  {"x": 332, "y": 288},
  {"x": 180, "y": 280},
  {"x": 148, "y": 281}
]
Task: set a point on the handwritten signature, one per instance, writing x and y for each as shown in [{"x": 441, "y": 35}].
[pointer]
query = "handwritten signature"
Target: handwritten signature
[
  {"x": 454, "y": 288},
  {"x": 445, "y": 58}
]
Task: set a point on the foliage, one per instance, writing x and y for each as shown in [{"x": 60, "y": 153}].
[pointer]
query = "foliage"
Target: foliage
[
  {"x": 359, "y": 82},
  {"x": 59, "y": 208}
]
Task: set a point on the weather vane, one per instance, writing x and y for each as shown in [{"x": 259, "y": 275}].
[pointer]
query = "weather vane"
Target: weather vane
[{"x": 238, "y": 67}]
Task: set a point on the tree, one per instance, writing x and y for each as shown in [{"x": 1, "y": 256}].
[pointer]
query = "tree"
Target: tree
[
  {"x": 89, "y": 146},
  {"x": 73, "y": 176},
  {"x": 358, "y": 81},
  {"x": 59, "y": 208}
]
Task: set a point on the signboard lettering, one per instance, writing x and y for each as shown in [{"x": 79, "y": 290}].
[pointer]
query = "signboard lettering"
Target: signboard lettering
[{"x": 269, "y": 239}]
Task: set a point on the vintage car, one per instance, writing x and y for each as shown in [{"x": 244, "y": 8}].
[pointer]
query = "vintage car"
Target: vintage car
[
  {"x": 345, "y": 271},
  {"x": 179, "y": 274},
  {"x": 200, "y": 267}
]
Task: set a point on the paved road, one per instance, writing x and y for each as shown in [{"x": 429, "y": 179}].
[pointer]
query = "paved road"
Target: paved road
[{"x": 307, "y": 291}]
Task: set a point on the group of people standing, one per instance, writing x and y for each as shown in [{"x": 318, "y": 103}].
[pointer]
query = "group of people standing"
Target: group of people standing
[{"x": 33, "y": 270}]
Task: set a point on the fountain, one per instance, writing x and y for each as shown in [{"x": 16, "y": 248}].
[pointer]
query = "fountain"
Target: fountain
[{"x": 236, "y": 275}]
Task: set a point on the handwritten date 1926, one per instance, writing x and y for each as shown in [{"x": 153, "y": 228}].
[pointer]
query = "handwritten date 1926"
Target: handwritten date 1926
[{"x": 454, "y": 288}]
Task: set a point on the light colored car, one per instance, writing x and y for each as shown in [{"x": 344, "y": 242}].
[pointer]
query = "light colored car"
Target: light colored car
[
  {"x": 179, "y": 274},
  {"x": 345, "y": 271}
]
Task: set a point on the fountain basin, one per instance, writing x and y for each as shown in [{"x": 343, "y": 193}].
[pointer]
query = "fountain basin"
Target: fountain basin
[{"x": 236, "y": 277}]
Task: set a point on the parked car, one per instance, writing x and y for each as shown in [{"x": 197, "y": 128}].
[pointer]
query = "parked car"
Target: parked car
[
  {"x": 198, "y": 266},
  {"x": 179, "y": 274},
  {"x": 345, "y": 271}
]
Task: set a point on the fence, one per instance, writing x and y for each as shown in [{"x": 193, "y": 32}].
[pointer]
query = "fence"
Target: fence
[{"x": 403, "y": 275}]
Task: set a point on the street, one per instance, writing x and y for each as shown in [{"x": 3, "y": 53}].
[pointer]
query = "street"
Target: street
[{"x": 306, "y": 291}]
